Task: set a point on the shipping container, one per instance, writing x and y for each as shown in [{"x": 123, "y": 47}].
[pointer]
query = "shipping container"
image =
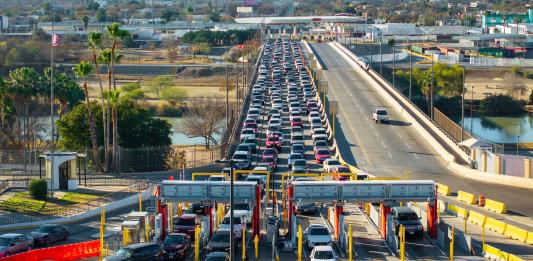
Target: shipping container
[{"x": 496, "y": 52}]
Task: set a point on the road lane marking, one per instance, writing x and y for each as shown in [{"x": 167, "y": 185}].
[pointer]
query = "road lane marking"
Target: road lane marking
[
  {"x": 383, "y": 143},
  {"x": 407, "y": 144},
  {"x": 390, "y": 155}
]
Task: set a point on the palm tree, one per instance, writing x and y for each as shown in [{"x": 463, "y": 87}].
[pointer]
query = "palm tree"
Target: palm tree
[
  {"x": 94, "y": 42},
  {"x": 106, "y": 57},
  {"x": 113, "y": 100},
  {"x": 82, "y": 70},
  {"x": 85, "y": 20}
]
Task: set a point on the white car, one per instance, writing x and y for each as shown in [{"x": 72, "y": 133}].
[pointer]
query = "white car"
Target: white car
[
  {"x": 323, "y": 253},
  {"x": 254, "y": 113},
  {"x": 317, "y": 235},
  {"x": 380, "y": 115},
  {"x": 243, "y": 209},
  {"x": 248, "y": 134},
  {"x": 239, "y": 223},
  {"x": 331, "y": 165}
]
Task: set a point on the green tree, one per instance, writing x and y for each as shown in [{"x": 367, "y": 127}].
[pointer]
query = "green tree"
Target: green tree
[
  {"x": 173, "y": 95},
  {"x": 214, "y": 17},
  {"x": 67, "y": 91},
  {"x": 502, "y": 104},
  {"x": 82, "y": 70},
  {"x": 190, "y": 10},
  {"x": 38, "y": 189},
  {"x": 168, "y": 15},
  {"x": 159, "y": 84},
  {"x": 101, "y": 15},
  {"x": 137, "y": 127},
  {"x": 531, "y": 98},
  {"x": 85, "y": 21},
  {"x": 93, "y": 6}
]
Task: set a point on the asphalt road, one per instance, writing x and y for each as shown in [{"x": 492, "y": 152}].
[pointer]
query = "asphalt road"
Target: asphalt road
[{"x": 394, "y": 149}]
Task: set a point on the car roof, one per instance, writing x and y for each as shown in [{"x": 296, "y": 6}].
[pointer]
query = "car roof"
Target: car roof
[
  {"x": 404, "y": 210},
  {"x": 217, "y": 254},
  {"x": 188, "y": 216},
  {"x": 323, "y": 248},
  {"x": 139, "y": 245},
  {"x": 317, "y": 226},
  {"x": 10, "y": 235}
]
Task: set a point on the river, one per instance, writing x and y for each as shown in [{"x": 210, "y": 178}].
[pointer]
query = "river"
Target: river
[{"x": 501, "y": 129}]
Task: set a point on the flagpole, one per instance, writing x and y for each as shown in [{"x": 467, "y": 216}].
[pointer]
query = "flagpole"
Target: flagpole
[{"x": 52, "y": 113}]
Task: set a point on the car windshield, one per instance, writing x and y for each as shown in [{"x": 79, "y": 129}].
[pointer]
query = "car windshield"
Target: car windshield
[
  {"x": 221, "y": 237},
  {"x": 295, "y": 156},
  {"x": 319, "y": 231},
  {"x": 334, "y": 162},
  {"x": 268, "y": 159},
  {"x": 124, "y": 252},
  {"x": 323, "y": 255},
  {"x": 175, "y": 239},
  {"x": 300, "y": 163},
  {"x": 249, "y": 141},
  {"x": 272, "y": 138},
  {"x": 297, "y": 147},
  {"x": 240, "y": 156},
  {"x": 407, "y": 216},
  {"x": 236, "y": 220},
  {"x": 215, "y": 258},
  {"x": 323, "y": 152},
  {"x": 269, "y": 152},
  {"x": 321, "y": 144},
  {"x": 45, "y": 229},
  {"x": 382, "y": 112},
  {"x": 241, "y": 206},
  {"x": 185, "y": 222},
  {"x": 5, "y": 241},
  {"x": 247, "y": 131}
]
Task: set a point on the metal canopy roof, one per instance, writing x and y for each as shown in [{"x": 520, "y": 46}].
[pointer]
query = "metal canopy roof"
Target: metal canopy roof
[
  {"x": 300, "y": 19},
  {"x": 373, "y": 191},
  {"x": 196, "y": 191}
]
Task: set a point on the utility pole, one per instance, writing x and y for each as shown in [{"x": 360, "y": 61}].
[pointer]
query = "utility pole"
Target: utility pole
[
  {"x": 371, "y": 42},
  {"x": 471, "y": 112}
]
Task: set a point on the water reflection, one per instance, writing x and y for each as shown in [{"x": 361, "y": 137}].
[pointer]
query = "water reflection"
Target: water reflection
[{"x": 502, "y": 129}]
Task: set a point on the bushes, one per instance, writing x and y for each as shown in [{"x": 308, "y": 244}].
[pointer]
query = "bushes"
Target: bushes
[
  {"x": 502, "y": 104},
  {"x": 38, "y": 189}
]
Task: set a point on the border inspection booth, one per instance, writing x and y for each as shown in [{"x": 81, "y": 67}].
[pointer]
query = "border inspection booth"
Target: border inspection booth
[{"x": 66, "y": 172}]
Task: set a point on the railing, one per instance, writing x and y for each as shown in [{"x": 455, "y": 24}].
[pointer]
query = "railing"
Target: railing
[
  {"x": 455, "y": 131},
  {"x": 7, "y": 218}
]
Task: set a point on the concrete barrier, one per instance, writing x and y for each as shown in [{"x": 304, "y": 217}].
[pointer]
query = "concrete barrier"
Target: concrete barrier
[
  {"x": 516, "y": 233},
  {"x": 495, "y": 206},
  {"x": 477, "y": 218},
  {"x": 495, "y": 225},
  {"x": 495, "y": 254},
  {"x": 452, "y": 209},
  {"x": 443, "y": 189},
  {"x": 512, "y": 257},
  {"x": 462, "y": 213},
  {"x": 529, "y": 239},
  {"x": 466, "y": 197}
]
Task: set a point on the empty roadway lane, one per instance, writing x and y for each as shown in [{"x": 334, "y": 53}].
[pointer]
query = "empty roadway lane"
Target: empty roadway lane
[{"x": 394, "y": 149}]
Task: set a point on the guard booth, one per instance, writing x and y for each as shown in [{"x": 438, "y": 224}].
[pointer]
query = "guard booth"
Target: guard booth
[
  {"x": 133, "y": 229},
  {"x": 142, "y": 229},
  {"x": 67, "y": 169}
]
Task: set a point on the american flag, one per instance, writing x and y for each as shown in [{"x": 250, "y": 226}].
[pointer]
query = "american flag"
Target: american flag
[{"x": 56, "y": 40}]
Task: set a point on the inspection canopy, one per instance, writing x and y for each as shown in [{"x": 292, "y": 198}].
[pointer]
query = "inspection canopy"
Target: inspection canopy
[{"x": 196, "y": 191}]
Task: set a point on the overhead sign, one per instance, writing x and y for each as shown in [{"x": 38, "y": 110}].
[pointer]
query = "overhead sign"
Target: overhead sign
[
  {"x": 333, "y": 106},
  {"x": 244, "y": 9},
  {"x": 196, "y": 191},
  {"x": 372, "y": 191}
]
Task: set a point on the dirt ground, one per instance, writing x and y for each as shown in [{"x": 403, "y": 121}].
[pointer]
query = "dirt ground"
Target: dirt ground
[{"x": 497, "y": 81}]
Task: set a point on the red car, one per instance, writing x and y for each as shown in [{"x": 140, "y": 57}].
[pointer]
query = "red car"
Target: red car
[
  {"x": 176, "y": 246},
  {"x": 321, "y": 155},
  {"x": 273, "y": 141},
  {"x": 297, "y": 121},
  {"x": 186, "y": 224},
  {"x": 250, "y": 125}
]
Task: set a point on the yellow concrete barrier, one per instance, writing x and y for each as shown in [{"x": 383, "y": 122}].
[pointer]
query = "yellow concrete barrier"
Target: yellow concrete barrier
[
  {"x": 493, "y": 253},
  {"x": 462, "y": 213},
  {"x": 529, "y": 238},
  {"x": 466, "y": 197},
  {"x": 516, "y": 233},
  {"x": 512, "y": 257},
  {"x": 452, "y": 209},
  {"x": 477, "y": 218},
  {"x": 443, "y": 189},
  {"x": 495, "y": 225},
  {"x": 495, "y": 206}
]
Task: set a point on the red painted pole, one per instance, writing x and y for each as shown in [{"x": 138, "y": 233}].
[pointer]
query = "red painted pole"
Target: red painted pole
[
  {"x": 257, "y": 219},
  {"x": 290, "y": 192},
  {"x": 383, "y": 213},
  {"x": 338, "y": 213}
]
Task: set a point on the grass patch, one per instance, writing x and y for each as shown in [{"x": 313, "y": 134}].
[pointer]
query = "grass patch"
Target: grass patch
[{"x": 22, "y": 202}]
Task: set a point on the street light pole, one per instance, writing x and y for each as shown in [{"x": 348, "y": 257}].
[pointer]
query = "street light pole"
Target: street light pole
[
  {"x": 380, "y": 57},
  {"x": 410, "y": 70},
  {"x": 232, "y": 232},
  {"x": 463, "y": 107},
  {"x": 393, "y": 61},
  {"x": 432, "y": 86},
  {"x": 471, "y": 112},
  {"x": 227, "y": 98}
]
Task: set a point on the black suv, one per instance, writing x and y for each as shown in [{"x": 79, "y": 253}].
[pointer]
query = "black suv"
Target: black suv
[
  {"x": 409, "y": 219},
  {"x": 137, "y": 252}
]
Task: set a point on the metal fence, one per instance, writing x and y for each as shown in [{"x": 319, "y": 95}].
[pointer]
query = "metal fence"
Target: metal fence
[
  {"x": 491, "y": 61},
  {"x": 450, "y": 127},
  {"x": 10, "y": 212}
]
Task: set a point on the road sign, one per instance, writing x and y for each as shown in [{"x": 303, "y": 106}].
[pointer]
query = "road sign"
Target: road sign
[
  {"x": 333, "y": 105},
  {"x": 324, "y": 85},
  {"x": 181, "y": 190}
]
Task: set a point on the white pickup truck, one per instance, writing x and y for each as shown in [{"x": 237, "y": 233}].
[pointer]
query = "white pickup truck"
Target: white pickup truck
[{"x": 380, "y": 115}]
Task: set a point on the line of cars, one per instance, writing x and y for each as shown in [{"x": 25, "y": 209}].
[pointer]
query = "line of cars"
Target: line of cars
[{"x": 44, "y": 235}]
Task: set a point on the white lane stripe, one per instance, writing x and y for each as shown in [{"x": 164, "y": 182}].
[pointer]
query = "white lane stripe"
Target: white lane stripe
[
  {"x": 407, "y": 144},
  {"x": 390, "y": 155},
  {"x": 383, "y": 143}
]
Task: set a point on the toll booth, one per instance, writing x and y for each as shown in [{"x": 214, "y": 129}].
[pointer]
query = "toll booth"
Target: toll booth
[
  {"x": 144, "y": 224},
  {"x": 132, "y": 228}
]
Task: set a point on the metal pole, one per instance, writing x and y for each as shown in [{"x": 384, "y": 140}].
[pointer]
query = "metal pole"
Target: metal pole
[
  {"x": 463, "y": 107},
  {"x": 410, "y": 71},
  {"x": 393, "y": 61},
  {"x": 432, "y": 85},
  {"x": 227, "y": 98},
  {"x": 237, "y": 91},
  {"x": 380, "y": 57},
  {"x": 232, "y": 232},
  {"x": 371, "y": 42},
  {"x": 471, "y": 112},
  {"x": 52, "y": 116}
]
